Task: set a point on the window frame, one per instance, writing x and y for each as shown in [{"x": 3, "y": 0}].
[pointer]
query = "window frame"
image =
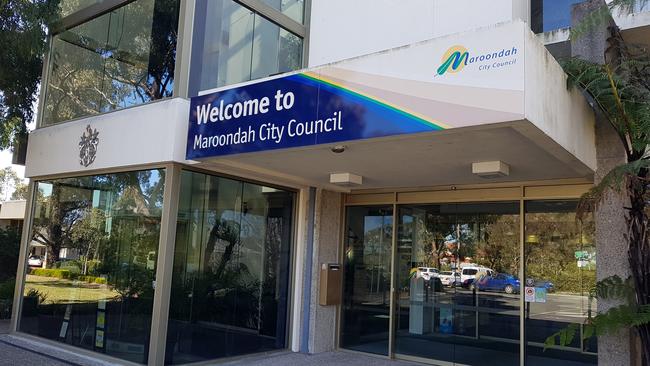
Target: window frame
[
  {"x": 85, "y": 15},
  {"x": 266, "y": 12}
]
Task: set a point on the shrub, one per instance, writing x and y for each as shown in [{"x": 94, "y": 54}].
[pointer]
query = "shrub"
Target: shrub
[
  {"x": 9, "y": 249},
  {"x": 47, "y": 272},
  {"x": 40, "y": 296},
  {"x": 7, "y": 289},
  {"x": 92, "y": 279},
  {"x": 92, "y": 267},
  {"x": 73, "y": 266}
]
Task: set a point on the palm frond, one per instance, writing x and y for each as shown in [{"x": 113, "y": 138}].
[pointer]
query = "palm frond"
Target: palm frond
[
  {"x": 614, "y": 287},
  {"x": 603, "y": 14},
  {"x": 613, "y": 180},
  {"x": 614, "y": 319}
]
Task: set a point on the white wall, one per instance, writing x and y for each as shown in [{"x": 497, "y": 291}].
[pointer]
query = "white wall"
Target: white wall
[
  {"x": 343, "y": 29},
  {"x": 563, "y": 115},
  {"x": 150, "y": 133}
]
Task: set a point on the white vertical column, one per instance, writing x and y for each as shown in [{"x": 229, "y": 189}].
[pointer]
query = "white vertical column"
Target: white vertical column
[
  {"x": 22, "y": 257},
  {"x": 164, "y": 267}
]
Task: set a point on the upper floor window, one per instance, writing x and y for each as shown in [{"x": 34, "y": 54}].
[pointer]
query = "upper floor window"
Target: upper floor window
[
  {"x": 549, "y": 15},
  {"x": 119, "y": 59},
  {"x": 233, "y": 43},
  {"x": 294, "y": 9},
  {"x": 67, "y": 7}
]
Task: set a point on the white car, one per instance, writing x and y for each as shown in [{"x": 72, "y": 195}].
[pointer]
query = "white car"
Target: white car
[
  {"x": 449, "y": 278},
  {"x": 35, "y": 261},
  {"x": 427, "y": 272},
  {"x": 474, "y": 272}
]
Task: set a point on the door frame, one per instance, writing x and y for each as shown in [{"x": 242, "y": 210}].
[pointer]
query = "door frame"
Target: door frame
[{"x": 569, "y": 189}]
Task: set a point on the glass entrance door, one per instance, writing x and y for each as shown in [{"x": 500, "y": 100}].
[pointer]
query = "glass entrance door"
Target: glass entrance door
[
  {"x": 365, "y": 312},
  {"x": 456, "y": 280}
]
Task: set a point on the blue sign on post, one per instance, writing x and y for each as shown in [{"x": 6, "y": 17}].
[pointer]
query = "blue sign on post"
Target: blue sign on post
[{"x": 296, "y": 110}]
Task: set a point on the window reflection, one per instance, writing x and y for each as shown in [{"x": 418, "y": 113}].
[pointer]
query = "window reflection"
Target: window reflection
[
  {"x": 458, "y": 295},
  {"x": 561, "y": 258},
  {"x": 549, "y": 15},
  {"x": 366, "y": 291},
  {"x": 122, "y": 58},
  {"x": 292, "y": 8},
  {"x": 95, "y": 289},
  {"x": 67, "y": 7},
  {"x": 234, "y": 44},
  {"x": 231, "y": 269}
]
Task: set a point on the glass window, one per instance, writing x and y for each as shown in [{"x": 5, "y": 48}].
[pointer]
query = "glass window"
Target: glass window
[
  {"x": 549, "y": 15},
  {"x": 561, "y": 265},
  {"x": 119, "y": 59},
  {"x": 365, "y": 312},
  {"x": 100, "y": 238},
  {"x": 294, "y": 9},
  {"x": 67, "y": 7},
  {"x": 230, "y": 285},
  {"x": 471, "y": 320},
  {"x": 234, "y": 44}
]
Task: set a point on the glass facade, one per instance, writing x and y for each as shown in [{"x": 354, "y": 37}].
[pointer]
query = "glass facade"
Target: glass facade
[
  {"x": 294, "y": 9},
  {"x": 233, "y": 44},
  {"x": 365, "y": 312},
  {"x": 231, "y": 269},
  {"x": 549, "y": 15},
  {"x": 456, "y": 269},
  {"x": 67, "y": 7},
  {"x": 119, "y": 59},
  {"x": 96, "y": 289},
  {"x": 560, "y": 257},
  {"x": 471, "y": 318}
]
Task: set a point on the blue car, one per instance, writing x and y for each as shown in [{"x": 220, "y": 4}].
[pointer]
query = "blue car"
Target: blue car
[
  {"x": 548, "y": 285},
  {"x": 500, "y": 282}
]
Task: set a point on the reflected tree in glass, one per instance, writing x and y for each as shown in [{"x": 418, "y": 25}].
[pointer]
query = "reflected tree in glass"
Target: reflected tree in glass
[{"x": 122, "y": 58}]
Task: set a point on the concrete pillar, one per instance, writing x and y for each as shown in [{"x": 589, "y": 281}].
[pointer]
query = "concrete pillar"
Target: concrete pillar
[
  {"x": 327, "y": 228},
  {"x": 611, "y": 244}
]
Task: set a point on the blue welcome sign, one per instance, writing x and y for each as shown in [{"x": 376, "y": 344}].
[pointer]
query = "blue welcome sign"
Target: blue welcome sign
[{"x": 301, "y": 109}]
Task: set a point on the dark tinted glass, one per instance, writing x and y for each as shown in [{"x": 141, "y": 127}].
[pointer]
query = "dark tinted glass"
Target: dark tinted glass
[
  {"x": 231, "y": 269},
  {"x": 366, "y": 289},
  {"x": 95, "y": 289}
]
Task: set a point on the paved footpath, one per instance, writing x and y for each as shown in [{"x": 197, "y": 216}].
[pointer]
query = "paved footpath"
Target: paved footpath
[{"x": 16, "y": 350}]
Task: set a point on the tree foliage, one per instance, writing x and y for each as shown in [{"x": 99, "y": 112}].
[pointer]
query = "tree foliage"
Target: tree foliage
[
  {"x": 620, "y": 89},
  {"x": 22, "y": 41},
  {"x": 9, "y": 179}
]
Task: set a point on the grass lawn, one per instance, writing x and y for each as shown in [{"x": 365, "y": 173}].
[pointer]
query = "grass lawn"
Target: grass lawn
[{"x": 66, "y": 291}]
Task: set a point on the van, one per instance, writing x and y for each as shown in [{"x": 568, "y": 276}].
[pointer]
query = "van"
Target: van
[{"x": 474, "y": 272}]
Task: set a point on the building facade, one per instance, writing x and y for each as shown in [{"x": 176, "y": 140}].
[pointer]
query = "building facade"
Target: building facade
[{"x": 236, "y": 177}]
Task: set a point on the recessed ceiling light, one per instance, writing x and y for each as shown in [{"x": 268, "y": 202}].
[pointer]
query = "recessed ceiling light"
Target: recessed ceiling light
[{"x": 337, "y": 149}]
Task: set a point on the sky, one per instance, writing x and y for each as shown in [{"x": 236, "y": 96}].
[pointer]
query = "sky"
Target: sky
[{"x": 5, "y": 161}]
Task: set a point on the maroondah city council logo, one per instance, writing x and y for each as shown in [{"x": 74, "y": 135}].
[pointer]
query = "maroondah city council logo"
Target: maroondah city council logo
[
  {"x": 88, "y": 146},
  {"x": 453, "y": 60},
  {"x": 457, "y": 57}
]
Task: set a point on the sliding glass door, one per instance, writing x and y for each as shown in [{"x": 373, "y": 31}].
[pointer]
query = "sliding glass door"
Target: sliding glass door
[
  {"x": 365, "y": 312},
  {"x": 457, "y": 284}
]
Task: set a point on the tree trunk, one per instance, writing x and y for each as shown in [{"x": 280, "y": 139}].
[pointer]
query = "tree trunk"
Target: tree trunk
[{"x": 639, "y": 252}]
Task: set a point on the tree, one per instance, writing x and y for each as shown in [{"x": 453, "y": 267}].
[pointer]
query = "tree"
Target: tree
[
  {"x": 620, "y": 88},
  {"x": 20, "y": 191},
  {"x": 22, "y": 40},
  {"x": 8, "y": 179}
]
